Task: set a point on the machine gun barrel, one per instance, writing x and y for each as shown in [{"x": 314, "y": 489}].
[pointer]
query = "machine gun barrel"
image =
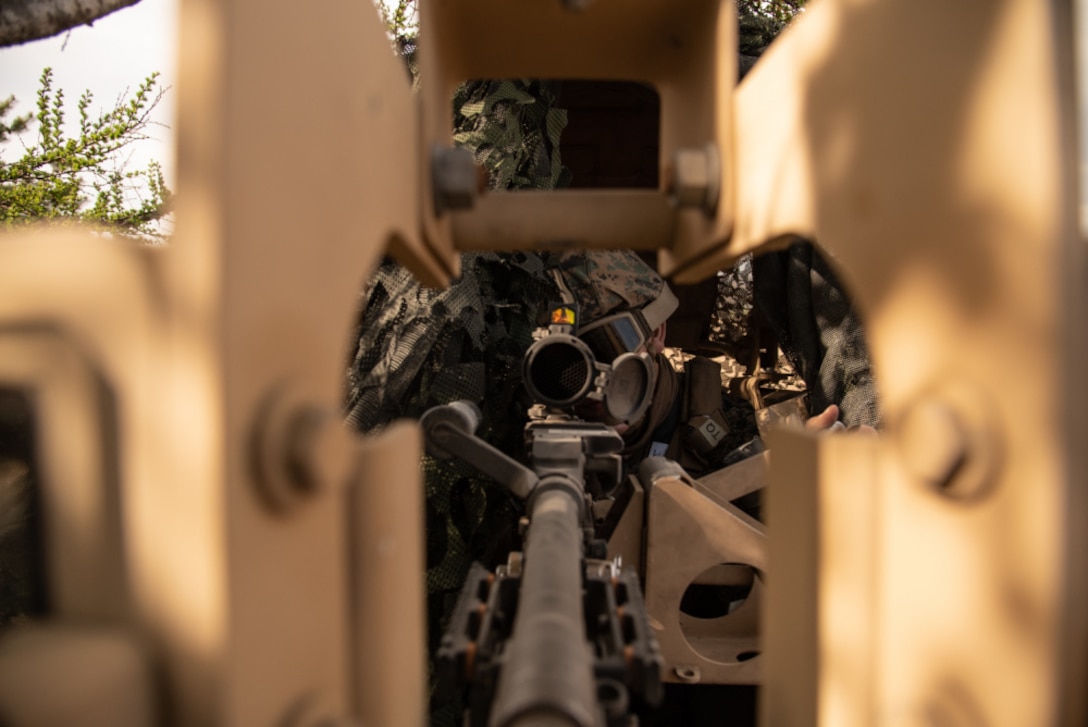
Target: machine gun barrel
[
  {"x": 548, "y": 673},
  {"x": 555, "y": 638}
]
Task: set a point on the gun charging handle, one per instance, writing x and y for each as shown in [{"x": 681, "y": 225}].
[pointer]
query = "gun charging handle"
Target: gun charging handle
[{"x": 449, "y": 431}]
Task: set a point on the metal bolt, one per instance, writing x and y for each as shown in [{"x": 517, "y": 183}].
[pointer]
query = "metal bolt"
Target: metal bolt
[
  {"x": 318, "y": 449},
  {"x": 949, "y": 439},
  {"x": 695, "y": 179},
  {"x": 299, "y": 449},
  {"x": 455, "y": 178},
  {"x": 934, "y": 443},
  {"x": 688, "y": 674},
  {"x": 513, "y": 564}
]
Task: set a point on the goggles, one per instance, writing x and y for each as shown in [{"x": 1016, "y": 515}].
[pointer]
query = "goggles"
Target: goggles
[
  {"x": 619, "y": 333},
  {"x": 614, "y": 335}
]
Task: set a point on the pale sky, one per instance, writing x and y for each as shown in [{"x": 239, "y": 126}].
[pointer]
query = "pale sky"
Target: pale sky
[{"x": 117, "y": 53}]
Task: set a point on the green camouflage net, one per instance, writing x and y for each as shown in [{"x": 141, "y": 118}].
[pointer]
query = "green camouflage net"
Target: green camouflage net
[{"x": 513, "y": 128}]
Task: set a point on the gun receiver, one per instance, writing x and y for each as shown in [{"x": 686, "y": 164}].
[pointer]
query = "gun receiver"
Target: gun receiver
[{"x": 559, "y": 632}]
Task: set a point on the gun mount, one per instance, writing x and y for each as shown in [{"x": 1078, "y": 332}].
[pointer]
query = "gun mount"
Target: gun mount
[{"x": 559, "y": 630}]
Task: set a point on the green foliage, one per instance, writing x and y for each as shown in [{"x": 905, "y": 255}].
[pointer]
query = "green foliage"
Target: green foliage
[
  {"x": 85, "y": 177},
  {"x": 402, "y": 19},
  {"x": 760, "y": 22},
  {"x": 402, "y": 25}
]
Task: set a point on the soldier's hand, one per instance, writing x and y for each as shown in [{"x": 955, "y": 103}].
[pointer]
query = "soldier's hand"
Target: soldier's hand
[
  {"x": 828, "y": 420},
  {"x": 825, "y": 420}
]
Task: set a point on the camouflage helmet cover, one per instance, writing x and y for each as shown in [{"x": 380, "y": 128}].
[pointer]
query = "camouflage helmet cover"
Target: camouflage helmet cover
[{"x": 609, "y": 281}]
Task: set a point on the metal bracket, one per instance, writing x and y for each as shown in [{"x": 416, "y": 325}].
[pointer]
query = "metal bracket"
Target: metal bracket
[
  {"x": 449, "y": 432},
  {"x": 687, "y": 535}
]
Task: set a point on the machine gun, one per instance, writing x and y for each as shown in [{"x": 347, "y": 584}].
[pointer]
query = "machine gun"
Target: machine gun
[
  {"x": 560, "y": 630},
  {"x": 563, "y": 615},
  {"x": 216, "y": 555}
]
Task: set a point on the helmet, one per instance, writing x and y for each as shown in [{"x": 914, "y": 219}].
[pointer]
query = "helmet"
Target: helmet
[{"x": 601, "y": 282}]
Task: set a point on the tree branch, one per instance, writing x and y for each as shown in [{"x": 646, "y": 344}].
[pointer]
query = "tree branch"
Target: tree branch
[{"x": 25, "y": 20}]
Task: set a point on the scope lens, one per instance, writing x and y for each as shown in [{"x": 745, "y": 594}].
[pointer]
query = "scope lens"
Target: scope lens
[{"x": 559, "y": 373}]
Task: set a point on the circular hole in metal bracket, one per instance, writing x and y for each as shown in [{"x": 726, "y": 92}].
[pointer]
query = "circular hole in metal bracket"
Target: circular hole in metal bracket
[{"x": 718, "y": 591}]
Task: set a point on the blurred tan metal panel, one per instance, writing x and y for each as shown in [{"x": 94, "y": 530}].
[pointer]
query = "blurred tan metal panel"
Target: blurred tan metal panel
[
  {"x": 823, "y": 505},
  {"x": 770, "y": 152},
  {"x": 791, "y": 638},
  {"x": 78, "y": 338},
  {"x": 76, "y": 319},
  {"x": 56, "y": 676},
  {"x": 75, "y": 432},
  {"x": 281, "y": 216},
  {"x": 386, "y": 512},
  {"x": 929, "y": 157},
  {"x": 539, "y": 220},
  {"x": 183, "y": 576},
  {"x": 289, "y": 181},
  {"x": 849, "y": 569},
  {"x": 686, "y": 51}
]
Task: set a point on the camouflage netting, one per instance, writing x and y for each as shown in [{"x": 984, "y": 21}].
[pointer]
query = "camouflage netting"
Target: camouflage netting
[
  {"x": 730, "y": 321},
  {"x": 801, "y": 299},
  {"x": 419, "y": 347},
  {"x": 513, "y": 128}
]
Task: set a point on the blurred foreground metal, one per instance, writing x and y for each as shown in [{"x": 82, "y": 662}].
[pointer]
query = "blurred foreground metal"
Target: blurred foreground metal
[{"x": 236, "y": 560}]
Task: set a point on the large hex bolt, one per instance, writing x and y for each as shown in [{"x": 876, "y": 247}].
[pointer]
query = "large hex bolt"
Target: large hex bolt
[
  {"x": 947, "y": 441},
  {"x": 694, "y": 179},
  {"x": 455, "y": 178},
  {"x": 933, "y": 442},
  {"x": 318, "y": 449},
  {"x": 298, "y": 449}
]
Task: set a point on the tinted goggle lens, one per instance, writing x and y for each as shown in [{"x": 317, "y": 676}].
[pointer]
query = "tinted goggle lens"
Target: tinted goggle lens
[{"x": 612, "y": 337}]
